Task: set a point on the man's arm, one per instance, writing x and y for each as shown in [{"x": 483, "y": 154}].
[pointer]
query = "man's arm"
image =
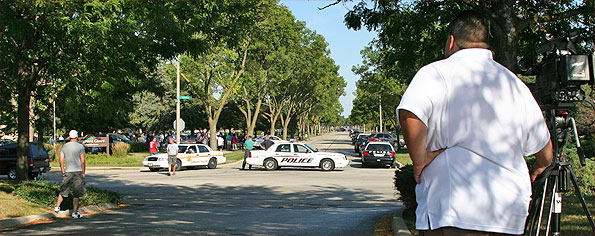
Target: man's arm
[
  {"x": 61, "y": 159},
  {"x": 83, "y": 164},
  {"x": 414, "y": 133},
  {"x": 543, "y": 159}
]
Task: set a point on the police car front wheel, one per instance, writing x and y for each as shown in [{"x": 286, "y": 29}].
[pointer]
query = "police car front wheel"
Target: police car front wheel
[{"x": 327, "y": 165}]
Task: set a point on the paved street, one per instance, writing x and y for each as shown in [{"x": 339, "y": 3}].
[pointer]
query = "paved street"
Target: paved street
[{"x": 228, "y": 200}]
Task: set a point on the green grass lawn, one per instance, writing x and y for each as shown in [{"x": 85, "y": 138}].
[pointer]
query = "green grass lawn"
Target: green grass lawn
[
  {"x": 234, "y": 156},
  {"x": 33, "y": 197}
]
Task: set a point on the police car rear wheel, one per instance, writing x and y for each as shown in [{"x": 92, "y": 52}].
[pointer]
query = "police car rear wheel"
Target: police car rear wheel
[
  {"x": 327, "y": 165},
  {"x": 270, "y": 164},
  {"x": 212, "y": 163}
]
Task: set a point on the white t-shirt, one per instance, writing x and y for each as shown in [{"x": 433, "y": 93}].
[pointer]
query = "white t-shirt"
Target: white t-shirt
[
  {"x": 220, "y": 141},
  {"x": 487, "y": 119}
]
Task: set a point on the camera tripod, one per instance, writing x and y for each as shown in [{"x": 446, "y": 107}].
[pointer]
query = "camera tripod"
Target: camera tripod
[{"x": 555, "y": 180}]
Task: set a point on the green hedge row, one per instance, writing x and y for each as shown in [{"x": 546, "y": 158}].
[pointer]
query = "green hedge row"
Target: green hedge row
[{"x": 45, "y": 194}]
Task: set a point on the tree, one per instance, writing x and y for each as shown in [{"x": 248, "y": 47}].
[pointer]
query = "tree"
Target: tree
[
  {"x": 412, "y": 34},
  {"x": 101, "y": 49},
  {"x": 213, "y": 78},
  {"x": 274, "y": 36}
]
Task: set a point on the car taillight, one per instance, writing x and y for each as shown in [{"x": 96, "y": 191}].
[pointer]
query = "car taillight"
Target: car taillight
[
  {"x": 249, "y": 154},
  {"x": 30, "y": 161},
  {"x": 392, "y": 154},
  {"x": 372, "y": 140},
  {"x": 366, "y": 154}
]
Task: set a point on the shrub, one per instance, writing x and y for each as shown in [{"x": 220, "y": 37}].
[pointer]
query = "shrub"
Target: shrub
[
  {"x": 405, "y": 184},
  {"x": 46, "y": 194},
  {"x": 54, "y": 154},
  {"x": 585, "y": 175},
  {"x": 120, "y": 149}
]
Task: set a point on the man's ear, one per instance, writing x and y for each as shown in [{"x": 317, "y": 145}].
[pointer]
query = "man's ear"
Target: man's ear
[{"x": 451, "y": 44}]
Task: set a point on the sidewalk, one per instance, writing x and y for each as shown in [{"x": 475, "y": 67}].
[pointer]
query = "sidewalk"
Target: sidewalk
[
  {"x": 399, "y": 226},
  {"x": 25, "y": 220}
]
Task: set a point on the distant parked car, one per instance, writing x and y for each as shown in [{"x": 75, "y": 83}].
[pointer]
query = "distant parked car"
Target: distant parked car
[
  {"x": 378, "y": 154},
  {"x": 39, "y": 160},
  {"x": 258, "y": 140},
  {"x": 188, "y": 139},
  {"x": 385, "y": 137},
  {"x": 361, "y": 141}
]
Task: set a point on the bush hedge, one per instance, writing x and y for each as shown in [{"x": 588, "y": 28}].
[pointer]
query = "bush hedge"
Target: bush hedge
[
  {"x": 120, "y": 149},
  {"x": 405, "y": 184},
  {"x": 45, "y": 194}
]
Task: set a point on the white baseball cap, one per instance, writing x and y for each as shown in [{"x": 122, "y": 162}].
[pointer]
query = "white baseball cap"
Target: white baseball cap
[{"x": 73, "y": 134}]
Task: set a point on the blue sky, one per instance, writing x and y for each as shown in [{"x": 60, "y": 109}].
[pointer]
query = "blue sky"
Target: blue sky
[{"x": 345, "y": 44}]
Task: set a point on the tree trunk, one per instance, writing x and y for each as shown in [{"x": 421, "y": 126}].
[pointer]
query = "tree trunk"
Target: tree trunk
[
  {"x": 24, "y": 99},
  {"x": 213, "y": 133},
  {"x": 285, "y": 122},
  {"x": 505, "y": 48}
]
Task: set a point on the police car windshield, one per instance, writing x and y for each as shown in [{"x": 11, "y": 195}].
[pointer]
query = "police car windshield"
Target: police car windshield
[
  {"x": 311, "y": 148},
  {"x": 379, "y": 147}
]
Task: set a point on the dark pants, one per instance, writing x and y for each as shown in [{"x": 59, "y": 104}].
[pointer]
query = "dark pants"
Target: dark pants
[
  {"x": 449, "y": 231},
  {"x": 246, "y": 154}
]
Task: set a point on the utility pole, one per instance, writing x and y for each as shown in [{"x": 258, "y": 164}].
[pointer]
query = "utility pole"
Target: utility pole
[
  {"x": 178, "y": 99},
  {"x": 380, "y": 109}
]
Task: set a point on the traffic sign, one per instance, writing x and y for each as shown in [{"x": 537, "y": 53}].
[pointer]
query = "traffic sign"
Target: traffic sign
[
  {"x": 182, "y": 124},
  {"x": 184, "y": 97}
]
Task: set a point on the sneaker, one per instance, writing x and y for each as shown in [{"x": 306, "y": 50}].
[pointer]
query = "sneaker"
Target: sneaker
[
  {"x": 56, "y": 209},
  {"x": 77, "y": 215}
]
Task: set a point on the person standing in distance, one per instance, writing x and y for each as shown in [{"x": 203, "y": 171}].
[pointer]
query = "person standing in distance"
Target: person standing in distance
[
  {"x": 467, "y": 122},
  {"x": 73, "y": 153},
  {"x": 153, "y": 146},
  {"x": 249, "y": 146},
  {"x": 172, "y": 157},
  {"x": 267, "y": 143}
]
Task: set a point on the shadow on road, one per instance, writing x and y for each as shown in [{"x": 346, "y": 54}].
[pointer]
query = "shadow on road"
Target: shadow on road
[{"x": 162, "y": 209}]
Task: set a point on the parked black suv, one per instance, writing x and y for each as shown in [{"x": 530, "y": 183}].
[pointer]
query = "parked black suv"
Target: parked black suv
[{"x": 39, "y": 160}]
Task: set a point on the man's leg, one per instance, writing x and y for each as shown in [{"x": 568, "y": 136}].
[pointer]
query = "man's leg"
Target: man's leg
[
  {"x": 246, "y": 154},
  {"x": 75, "y": 204},
  {"x": 58, "y": 203}
]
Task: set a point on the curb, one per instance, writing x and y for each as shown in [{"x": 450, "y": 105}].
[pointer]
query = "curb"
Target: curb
[
  {"x": 23, "y": 220},
  {"x": 399, "y": 226}
]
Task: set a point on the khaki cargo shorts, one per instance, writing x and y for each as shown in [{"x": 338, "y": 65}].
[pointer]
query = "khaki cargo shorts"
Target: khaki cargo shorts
[{"x": 75, "y": 181}]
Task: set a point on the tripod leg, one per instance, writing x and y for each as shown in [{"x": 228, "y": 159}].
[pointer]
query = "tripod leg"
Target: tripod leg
[{"x": 581, "y": 198}]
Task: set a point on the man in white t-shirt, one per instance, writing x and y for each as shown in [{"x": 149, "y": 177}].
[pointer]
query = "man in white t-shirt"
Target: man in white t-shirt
[{"x": 468, "y": 122}]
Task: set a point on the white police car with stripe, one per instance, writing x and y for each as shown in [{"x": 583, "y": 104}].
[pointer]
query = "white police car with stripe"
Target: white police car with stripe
[
  {"x": 190, "y": 156},
  {"x": 296, "y": 155}
]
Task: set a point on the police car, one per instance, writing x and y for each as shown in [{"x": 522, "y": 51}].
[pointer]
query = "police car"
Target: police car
[
  {"x": 378, "y": 153},
  {"x": 285, "y": 154},
  {"x": 190, "y": 156}
]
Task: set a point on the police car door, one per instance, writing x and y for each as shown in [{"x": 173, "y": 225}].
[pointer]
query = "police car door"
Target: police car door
[
  {"x": 304, "y": 157},
  {"x": 203, "y": 154},
  {"x": 284, "y": 155}
]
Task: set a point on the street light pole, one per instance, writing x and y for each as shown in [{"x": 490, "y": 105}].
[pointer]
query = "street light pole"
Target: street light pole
[
  {"x": 380, "y": 108},
  {"x": 178, "y": 99}
]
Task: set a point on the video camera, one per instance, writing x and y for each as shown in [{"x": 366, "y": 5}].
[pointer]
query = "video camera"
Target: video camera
[{"x": 560, "y": 73}]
